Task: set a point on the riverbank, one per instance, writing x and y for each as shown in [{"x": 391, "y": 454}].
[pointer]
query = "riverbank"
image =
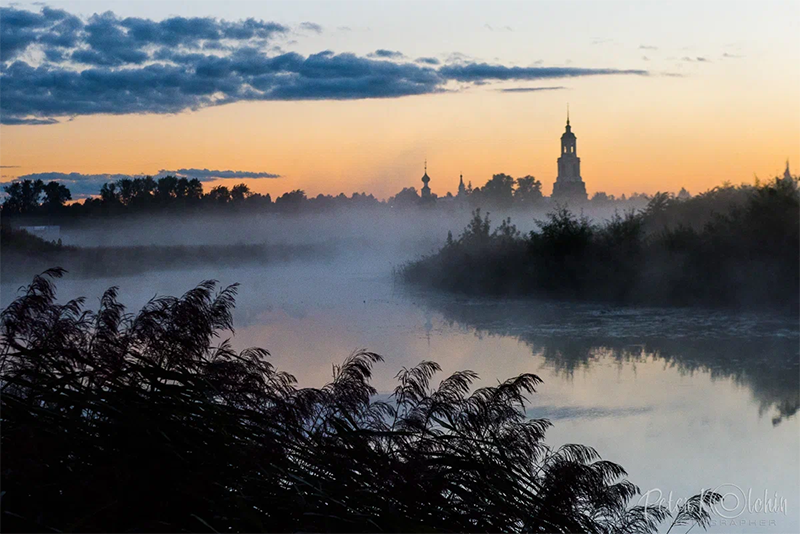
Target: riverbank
[
  {"x": 24, "y": 254},
  {"x": 733, "y": 247}
]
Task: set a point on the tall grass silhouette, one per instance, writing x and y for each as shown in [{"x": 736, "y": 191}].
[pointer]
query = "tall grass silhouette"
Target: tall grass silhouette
[{"x": 114, "y": 421}]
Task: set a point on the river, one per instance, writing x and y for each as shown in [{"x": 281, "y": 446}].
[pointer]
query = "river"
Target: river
[{"x": 685, "y": 400}]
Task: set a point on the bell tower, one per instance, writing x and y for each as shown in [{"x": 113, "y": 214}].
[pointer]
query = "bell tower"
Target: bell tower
[{"x": 569, "y": 184}]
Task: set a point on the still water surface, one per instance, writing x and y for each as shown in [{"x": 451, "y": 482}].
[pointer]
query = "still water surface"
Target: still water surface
[{"x": 685, "y": 400}]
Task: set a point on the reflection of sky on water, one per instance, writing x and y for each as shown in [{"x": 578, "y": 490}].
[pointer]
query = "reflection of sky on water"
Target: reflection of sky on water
[{"x": 684, "y": 400}]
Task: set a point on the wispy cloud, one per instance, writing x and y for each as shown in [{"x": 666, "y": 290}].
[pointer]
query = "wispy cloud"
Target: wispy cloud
[
  {"x": 428, "y": 60},
  {"x": 498, "y": 28},
  {"x": 485, "y": 72},
  {"x": 647, "y": 47},
  {"x": 206, "y": 174},
  {"x": 386, "y": 54},
  {"x": 529, "y": 89},
  {"x": 311, "y": 26}
]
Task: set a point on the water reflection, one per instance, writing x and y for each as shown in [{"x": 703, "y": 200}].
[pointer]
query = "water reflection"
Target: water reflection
[
  {"x": 757, "y": 351},
  {"x": 684, "y": 399}
]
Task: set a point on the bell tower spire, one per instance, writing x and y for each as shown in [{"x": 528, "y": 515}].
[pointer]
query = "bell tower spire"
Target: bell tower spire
[{"x": 569, "y": 184}]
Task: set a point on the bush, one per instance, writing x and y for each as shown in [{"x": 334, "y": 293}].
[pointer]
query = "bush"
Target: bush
[
  {"x": 146, "y": 422},
  {"x": 733, "y": 247}
]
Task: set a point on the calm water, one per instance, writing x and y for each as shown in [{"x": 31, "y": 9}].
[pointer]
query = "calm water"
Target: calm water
[{"x": 684, "y": 400}]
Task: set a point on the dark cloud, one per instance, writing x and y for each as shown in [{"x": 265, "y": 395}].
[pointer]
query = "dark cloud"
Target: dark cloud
[
  {"x": 311, "y": 26},
  {"x": 731, "y": 56},
  {"x": 195, "y": 81},
  {"x": 530, "y": 89},
  {"x": 108, "y": 40},
  {"x": 206, "y": 174},
  {"x": 389, "y": 54},
  {"x": 645, "y": 58},
  {"x": 647, "y": 47},
  {"x": 20, "y": 29},
  {"x": 113, "y": 65},
  {"x": 9, "y": 166}
]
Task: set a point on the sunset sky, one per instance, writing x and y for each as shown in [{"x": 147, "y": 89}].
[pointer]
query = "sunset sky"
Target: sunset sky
[{"x": 354, "y": 96}]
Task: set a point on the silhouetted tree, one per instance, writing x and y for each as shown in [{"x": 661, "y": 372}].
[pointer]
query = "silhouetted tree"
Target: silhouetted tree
[
  {"x": 499, "y": 191},
  {"x": 219, "y": 195},
  {"x": 405, "y": 198},
  {"x": 126, "y": 190},
  {"x": 528, "y": 191},
  {"x": 109, "y": 194},
  {"x": 602, "y": 198},
  {"x": 291, "y": 201},
  {"x": 55, "y": 196},
  {"x": 23, "y": 196},
  {"x": 240, "y": 192}
]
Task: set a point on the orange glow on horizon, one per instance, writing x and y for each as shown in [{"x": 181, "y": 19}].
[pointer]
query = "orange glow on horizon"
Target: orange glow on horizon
[{"x": 633, "y": 136}]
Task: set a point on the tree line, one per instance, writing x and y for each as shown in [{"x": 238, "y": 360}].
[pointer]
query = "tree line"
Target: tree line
[{"x": 131, "y": 195}]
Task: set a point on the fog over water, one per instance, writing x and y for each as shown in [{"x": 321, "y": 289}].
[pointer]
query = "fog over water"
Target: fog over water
[{"x": 683, "y": 399}]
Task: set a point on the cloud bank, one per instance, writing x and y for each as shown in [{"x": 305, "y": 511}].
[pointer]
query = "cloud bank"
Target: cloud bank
[{"x": 55, "y": 64}]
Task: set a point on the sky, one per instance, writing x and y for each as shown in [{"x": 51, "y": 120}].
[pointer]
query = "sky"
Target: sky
[{"x": 339, "y": 96}]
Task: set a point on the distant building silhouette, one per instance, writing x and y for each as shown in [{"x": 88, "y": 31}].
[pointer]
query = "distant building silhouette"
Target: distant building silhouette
[
  {"x": 461, "y": 189},
  {"x": 425, "y": 192},
  {"x": 786, "y": 174},
  {"x": 569, "y": 184}
]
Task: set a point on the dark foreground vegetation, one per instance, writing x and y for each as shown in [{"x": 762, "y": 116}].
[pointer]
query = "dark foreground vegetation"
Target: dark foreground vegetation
[
  {"x": 149, "y": 422},
  {"x": 23, "y": 253},
  {"x": 731, "y": 246}
]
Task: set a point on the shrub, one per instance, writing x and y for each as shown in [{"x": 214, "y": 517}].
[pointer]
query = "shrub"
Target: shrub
[
  {"x": 734, "y": 247},
  {"x": 120, "y": 422}
]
